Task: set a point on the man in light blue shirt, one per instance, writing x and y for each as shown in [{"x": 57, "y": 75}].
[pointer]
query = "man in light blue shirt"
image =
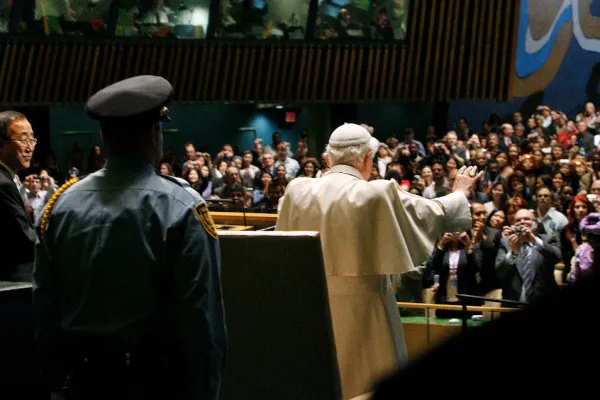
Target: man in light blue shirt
[{"x": 552, "y": 220}]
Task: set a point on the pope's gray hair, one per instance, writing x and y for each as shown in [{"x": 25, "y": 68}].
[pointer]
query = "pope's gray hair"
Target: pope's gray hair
[{"x": 354, "y": 155}]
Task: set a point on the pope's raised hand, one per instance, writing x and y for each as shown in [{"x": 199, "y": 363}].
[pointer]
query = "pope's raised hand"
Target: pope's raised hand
[{"x": 466, "y": 179}]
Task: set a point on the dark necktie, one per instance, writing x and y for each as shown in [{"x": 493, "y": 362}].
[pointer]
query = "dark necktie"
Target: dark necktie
[{"x": 526, "y": 272}]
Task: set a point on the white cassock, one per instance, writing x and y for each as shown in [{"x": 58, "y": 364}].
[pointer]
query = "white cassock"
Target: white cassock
[{"x": 369, "y": 231}]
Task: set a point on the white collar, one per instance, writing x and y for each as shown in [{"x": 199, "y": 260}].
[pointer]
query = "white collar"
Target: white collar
[{"x": 345, "y": 169}]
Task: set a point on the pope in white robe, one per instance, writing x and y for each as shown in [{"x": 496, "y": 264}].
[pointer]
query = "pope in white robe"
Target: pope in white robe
[{"x": 369, "y": 231}]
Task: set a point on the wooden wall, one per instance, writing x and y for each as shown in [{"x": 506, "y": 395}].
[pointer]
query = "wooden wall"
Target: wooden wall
[{"x": 455, "y": 49}]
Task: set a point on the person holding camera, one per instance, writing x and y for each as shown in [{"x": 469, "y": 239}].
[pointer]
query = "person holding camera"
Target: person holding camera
[
  {"x": 525, "y": 261},
  {"x": 454, "y": 268}
]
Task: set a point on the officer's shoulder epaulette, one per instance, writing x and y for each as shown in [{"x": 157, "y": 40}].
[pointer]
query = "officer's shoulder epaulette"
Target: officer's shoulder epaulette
[
  {"x": 178, "y": 181},
  {"x": 50, "y": 206}
]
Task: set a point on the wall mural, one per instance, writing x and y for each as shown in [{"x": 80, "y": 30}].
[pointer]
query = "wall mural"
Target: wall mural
[
  {"x": 556, "y": 39},
  {"x": 557, "y": 62}
]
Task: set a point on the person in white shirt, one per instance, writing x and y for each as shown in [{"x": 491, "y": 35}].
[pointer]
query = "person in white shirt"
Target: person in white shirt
[
  {"x": 34, "y": 196},
  {"x": 554, "y": 221},
  {"x": 349, "y": 212},
  {"x": 291, "y": 165},
  {"x": 272, "y": 148}
]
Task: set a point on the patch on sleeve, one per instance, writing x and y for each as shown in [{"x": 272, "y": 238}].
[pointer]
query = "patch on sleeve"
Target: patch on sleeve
[{"x": 201, "y": 210}]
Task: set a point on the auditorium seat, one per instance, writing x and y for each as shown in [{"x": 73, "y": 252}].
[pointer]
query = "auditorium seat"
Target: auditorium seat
[{"x": 279, "y": 327}]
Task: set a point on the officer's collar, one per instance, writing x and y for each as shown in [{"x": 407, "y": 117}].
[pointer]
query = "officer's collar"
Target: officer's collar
[
  {"x": 346, "y": 169},
  {"x": 133, "y": 164}
]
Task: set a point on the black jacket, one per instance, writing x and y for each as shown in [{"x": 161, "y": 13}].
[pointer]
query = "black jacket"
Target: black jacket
[
  {"x": 17, "y": 236},
  {"x": 543, "y": 260},
  {"x": 467, "y": 268}
]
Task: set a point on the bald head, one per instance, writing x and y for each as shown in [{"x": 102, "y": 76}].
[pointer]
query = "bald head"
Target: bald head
[
  {"x": 524, "y": 218},
  {"x": 507, "y": 130}
]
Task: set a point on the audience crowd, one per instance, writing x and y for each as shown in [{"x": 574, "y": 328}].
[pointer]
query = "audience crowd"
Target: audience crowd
[{"x": 542, "y": 180}]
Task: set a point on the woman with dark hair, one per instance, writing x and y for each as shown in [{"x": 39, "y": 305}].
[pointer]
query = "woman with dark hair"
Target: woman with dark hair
[
  {"x": 511, "y": 206},
  {"x": 206, "y": 185},
  {"x": 281, "y": 176},
  {"x": 456, "y": 265},
  {"x": 571, "y": 178},
  {"x": 96, "y": 160},
  {"x": 518, "y": 186},
  {"x": 309, "y": 169},
  {"x": 564, "y": 198},
  {"x": 498, "y": 197},
  {"x": 165, "y": 169},
  {"x": 543, "y": 180},
  {"x": 514, "y": 151},
  {"x": 558, "y": 181},
  {"x": 248, "y": 171},
  {"x": 192, "y": 176},
  {"x": 496, "y": 219},
  {"x": 494, "y": 121},
  {"x": 505, "y": 169},
  {"x": 262, "y": 191},
  {"x": 570, "y": 236}
]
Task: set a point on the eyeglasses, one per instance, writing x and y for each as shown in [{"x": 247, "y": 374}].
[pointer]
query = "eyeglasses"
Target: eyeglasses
[{"x": 25, "y": 142}]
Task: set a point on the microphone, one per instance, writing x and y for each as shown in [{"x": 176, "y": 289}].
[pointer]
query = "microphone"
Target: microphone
[{"x": 243, "y": 210}]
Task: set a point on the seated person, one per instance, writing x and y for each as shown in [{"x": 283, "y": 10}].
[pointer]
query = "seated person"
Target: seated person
[{"x": 269, "y": 203}]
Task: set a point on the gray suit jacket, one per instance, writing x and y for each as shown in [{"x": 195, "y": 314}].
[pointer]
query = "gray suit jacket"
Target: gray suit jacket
[{"x": 543, "y": 260}]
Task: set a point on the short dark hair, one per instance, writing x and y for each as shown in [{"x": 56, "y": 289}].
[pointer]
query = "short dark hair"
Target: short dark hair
[
  {"x": 125, "y": 139},
  {"x": 7, "y": 118},
  {"x": 237, "y": 188},
  {"x": 542, "y": 188}
]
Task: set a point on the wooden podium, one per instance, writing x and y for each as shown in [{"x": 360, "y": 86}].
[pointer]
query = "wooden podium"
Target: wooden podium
[
  {"x": 256, "y": 220},
  {"x": 234, "y": 228}
]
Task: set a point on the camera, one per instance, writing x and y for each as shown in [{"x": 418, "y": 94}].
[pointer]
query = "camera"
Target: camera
[
  {"x": 520, "y": 232},
  {"x": 456, "y": 234}
]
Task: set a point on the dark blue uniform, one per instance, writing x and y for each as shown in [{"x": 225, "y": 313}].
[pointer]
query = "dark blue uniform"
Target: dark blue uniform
[
  {"x": 127, "y": 287},
  {"x": 127, "y": 245}
]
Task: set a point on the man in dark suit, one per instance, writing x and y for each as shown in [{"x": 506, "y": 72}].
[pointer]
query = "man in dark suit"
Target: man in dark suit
[
  {"x": 585, "y": 139},
  {"x": 507, "y": 138},
  {"x": 525, "y": 262},
  {"x": 17, "y": 236},
  {"x": 486, "y": 244}
]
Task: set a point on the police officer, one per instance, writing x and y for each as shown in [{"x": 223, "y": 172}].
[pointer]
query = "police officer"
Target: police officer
[{"x": 127, "y": 293}]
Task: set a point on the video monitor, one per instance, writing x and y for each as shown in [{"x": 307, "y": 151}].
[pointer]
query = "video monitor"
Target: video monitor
[
  {"x": 262, "y": 19},
  {"x": 362, "y": 19},
  {"x": 65, "y": 17},
  {"x": 5, "y": 10},
  {"x": 182, "y": 19}
]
